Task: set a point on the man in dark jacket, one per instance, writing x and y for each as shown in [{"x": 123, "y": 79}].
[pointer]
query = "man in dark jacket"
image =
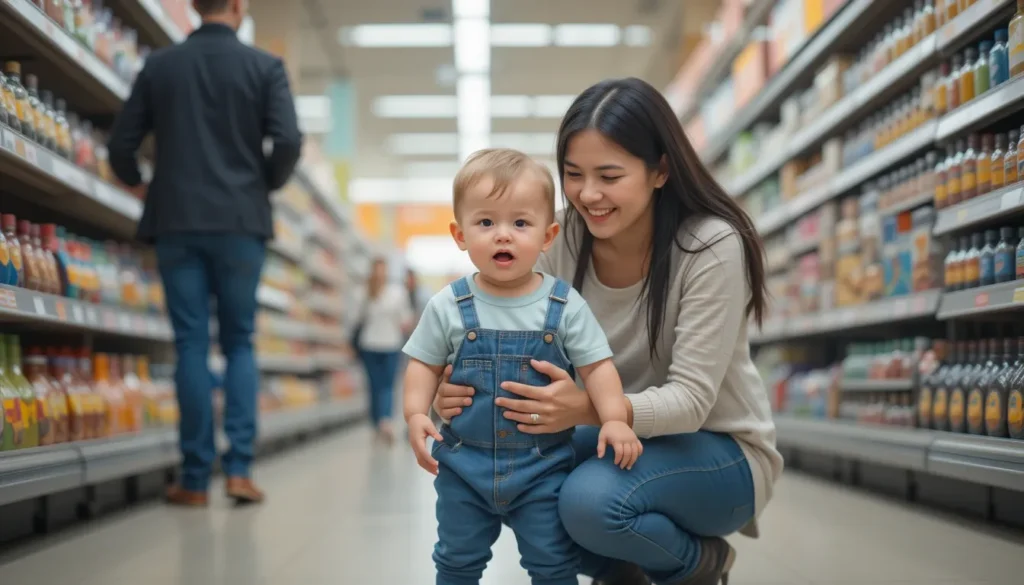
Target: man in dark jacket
[{"x": 210, "y": 103}]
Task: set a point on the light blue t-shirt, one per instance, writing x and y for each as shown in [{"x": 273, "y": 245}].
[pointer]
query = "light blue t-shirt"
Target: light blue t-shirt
[{"x": 439, "y": 333}]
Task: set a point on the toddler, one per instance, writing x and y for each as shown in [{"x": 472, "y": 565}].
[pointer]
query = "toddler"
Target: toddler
[{"x": 490, "y": 326}]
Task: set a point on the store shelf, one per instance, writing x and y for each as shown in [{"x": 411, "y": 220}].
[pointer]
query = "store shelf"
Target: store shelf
[
  {"x": 984, "y": 460},
  {"x": 64, "y": 186},
  {"x": 985, "y": 300},
  {"x": 876, "y": 385},
  {"x": 290, "y": 252},
  {"x": 274, "y": 298},
  {"x": 896, "y": 447},
  {"x": 993, "y": 105},
  {"x": 19, "y": 304},
  {"x": 990, "y": 206},
  {"x": 32, "y": 473},
  {"x": 149, "y": 16},
  {"x": 41, "y": 471},
  {"x": 286, "y": 364},
  {"x": 895, "y": 309},
  {"x": 98, "y": 89},
  {"x": 907, "y": 205},
  {"x": 978, "y": 17},
  {"x": 850, "y": 17}
]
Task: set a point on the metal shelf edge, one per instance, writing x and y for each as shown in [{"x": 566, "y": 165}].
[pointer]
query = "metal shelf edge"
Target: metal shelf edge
[{"x": 37, "y": 472}]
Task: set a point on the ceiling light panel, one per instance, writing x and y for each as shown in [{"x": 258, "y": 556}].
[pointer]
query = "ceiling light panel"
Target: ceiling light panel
[
  {"x": 586, "y": 35},
  {"x": 511, "y": 106},
  {"x": 397, "y": 35},
  {"x": 471, "y": 8},
  {"x": 520, "y": 35},
  {"x": 552, "y": 106},
  {"x": 415, "y": 106},
  {"x": 637, "y": 35},
  {"x": 473, "y": 93},
  {"x": 313, "y": 106},
  {"x": 472, "y": 45},
  {"x": 424, "y": 143}
]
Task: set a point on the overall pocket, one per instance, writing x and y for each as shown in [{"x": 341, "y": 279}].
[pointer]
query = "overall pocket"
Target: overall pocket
[{"x": 475, "y": 373}]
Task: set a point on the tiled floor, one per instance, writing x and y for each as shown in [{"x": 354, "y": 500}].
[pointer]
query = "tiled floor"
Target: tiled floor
[{"x": 343, "y": 512}]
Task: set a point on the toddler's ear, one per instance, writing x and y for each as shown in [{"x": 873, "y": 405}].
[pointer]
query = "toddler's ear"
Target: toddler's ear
[
  {"x": 550, "y": 234},
  {"x": 458, "y": 235}
]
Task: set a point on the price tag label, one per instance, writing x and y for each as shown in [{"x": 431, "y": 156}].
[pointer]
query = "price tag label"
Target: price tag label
[
  {"x": 62, "y": 312},
  {"x": 40, "y": 305},
  {"x": 69, "y": 174},
  {"x": 899, "y": 308},
  {"x": 109, "y": 319},
  {"x": 981, "y": 300},
  {"x": 919, "y": 305},
  {"x": 1009, "y": 200},
  {"x": 961, "y": 216},
  {"x": 9, "y": 141},
  {"x": 1018, "y": 294},
  {"x": 91, "y": 316},
  {"x": 31, "y": 155},
  {"x": 8, "y": 299},
  {"x": 77, "y": 313}
]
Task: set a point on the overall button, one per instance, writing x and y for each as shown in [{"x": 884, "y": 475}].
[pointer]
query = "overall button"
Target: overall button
[
  {"x": 548, "y": 338},
  {"x": 471, "y": 335},
  {"x": 502, "y": 434}
]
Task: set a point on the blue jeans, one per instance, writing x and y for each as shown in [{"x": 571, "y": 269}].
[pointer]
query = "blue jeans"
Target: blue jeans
[
  {"x": 682, "y": 487},
  {"x": 381, "y": 369},
  {"x": 479, "y": 488},
  {"x": 193, "y": 267}
]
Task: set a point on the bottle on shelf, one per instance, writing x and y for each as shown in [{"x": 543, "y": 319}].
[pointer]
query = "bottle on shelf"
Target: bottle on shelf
[
  {"x": 998, "y": 60},
  {"x": 968, "y": 170},
  {"x": 952, "y": 10},
  {"x": 983, "y": 164},
  {"x": 36, "y": 111},
  {"x": 987, "y": 259},
  {"x": 12, "y": 372},
  {"x": 9, "y": 224},
  {"x": 1015, "y": 396},
  {"x": 79, "y": 413},
  {"x": 1019, "y": 254},
  {"x": 996, "y": 167},
  {"x": 979, "y": 388},
  {"x": 972, "y": 262},
  {"x": 982, "y": 74},
  {"x": 1020, "y": 154},
  {"x": 943, "y": 387},
  {"x": 1015, "y": 41},
  {"x": 998, "y": 391},
  {"x": 932, "y": 370},
  {"x": 50, "y": 396},
  {"x": 14, "y": 428},
  {"x": 953, "y": 83},
  {"x": 101, "y": 406},
  {"x": 65, "y": 146},
  {"x": 1005, "y": 255},
  {"x": 961, "y": 386},
  {"x": 133, "y": 393},
  {"x": 1010, "y": 162},
  {"x": 26, "y": 124}
]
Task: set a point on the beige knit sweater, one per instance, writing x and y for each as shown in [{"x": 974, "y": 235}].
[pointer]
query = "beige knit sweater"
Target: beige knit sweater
[{"x": 702, "y": 376}]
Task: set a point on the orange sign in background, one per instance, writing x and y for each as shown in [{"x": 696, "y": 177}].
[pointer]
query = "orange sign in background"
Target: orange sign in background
[{"x": 397, "y": 224}]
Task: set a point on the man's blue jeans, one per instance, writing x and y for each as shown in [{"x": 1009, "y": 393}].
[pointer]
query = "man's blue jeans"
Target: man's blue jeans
[{"x": 193, "y": 267}]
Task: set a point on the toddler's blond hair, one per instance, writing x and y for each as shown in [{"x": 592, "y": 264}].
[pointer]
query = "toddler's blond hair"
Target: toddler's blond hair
[{"x": 504, "y": 166}]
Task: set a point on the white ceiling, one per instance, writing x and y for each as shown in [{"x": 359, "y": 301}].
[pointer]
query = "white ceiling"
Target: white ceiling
[{"x": 533, "y": 71}]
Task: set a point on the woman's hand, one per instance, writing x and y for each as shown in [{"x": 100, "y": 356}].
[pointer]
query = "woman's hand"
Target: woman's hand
[
  {"x": 558, "y": 406},
  {"x": 451, "y": 399}
]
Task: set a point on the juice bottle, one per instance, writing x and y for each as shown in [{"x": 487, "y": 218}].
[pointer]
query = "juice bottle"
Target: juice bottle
[
  {"x": 951, "y": 268},
  {"x": 10, "y": 229},
  {"x": 982, "y": 75},
  {"x": 133, "y": 393},
  {"x": 968, "y": 170},
  {"x": 941, "y": 195},
  {"x": 1019, "y": 257},
  {"x": 967, "y": 75},
  {"x": 127, "y": 415},
  {"x": 1015, "y": 44},
  {"x": 928, "y": 19},
  {"x": 33, "y": 274},
  {"x": 79, "y": 415},
  {"x": 101, "y": 408},
  {"x": 941, "y": 90},
  {"x": 954, "y": 163},
  {"x": 151, "y": 396},
  {"x": 952, "y": 9},
  {"x": 65, "y": 144},
  {"x": 983, "y": 166},
  {"x": 51, "y": 399},
  {"x": 1010, "y": 175},
  {"x": 1015, "y": 397},
  {"x": 953, "y": 87},
  {"x": 979, "y": 387},
  {"x": 36, "y": 111},
  {"x": 15, "y": 431},
  {"x": 1020, "y": 155},
  {"x": 996, "y": 167},
  {"x": 46, "y": 262},
  {"x": 1006, "y": 253},
  {"x": 36, "y": 408},
  {"x": 8, "y": 274},
  {"x": 987, "y": 258},
  {"x": 972, "y": 262},
  {"x": 27, "y": 404},
  {"x": 20, "y": 95},
  {"x": 104, "y": 386}
]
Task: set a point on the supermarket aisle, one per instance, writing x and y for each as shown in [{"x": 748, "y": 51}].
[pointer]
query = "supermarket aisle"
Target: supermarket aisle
[{"x": 344, "y": 513}]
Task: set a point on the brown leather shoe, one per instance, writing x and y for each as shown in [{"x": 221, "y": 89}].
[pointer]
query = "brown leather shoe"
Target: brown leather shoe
[
  {"x": 243, "y": 491},
  {"x": 178, "y": 496}
]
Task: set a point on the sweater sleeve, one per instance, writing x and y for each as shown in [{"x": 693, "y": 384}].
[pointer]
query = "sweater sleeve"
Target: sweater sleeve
[{"x": 712, "y": 308}]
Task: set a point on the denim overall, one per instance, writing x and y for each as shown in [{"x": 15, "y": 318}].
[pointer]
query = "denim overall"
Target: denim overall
[{"x": 489, "y": 472}]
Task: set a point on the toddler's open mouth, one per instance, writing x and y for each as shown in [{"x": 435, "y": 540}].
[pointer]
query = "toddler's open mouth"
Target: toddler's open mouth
[{"x": 504, "y": 258}]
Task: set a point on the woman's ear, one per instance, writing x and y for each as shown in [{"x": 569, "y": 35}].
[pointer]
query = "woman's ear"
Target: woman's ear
[
  {"x": 458, "y": 235},
  {"x": 661, "y": 174}
]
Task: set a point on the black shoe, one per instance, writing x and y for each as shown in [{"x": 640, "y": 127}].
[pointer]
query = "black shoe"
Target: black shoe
[
  {"x": 626, "y": 574},
  {"x": 716, "y": 559}
]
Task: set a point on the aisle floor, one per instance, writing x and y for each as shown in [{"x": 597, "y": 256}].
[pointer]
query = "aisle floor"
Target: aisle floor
[{"x": 343, "y": 511}]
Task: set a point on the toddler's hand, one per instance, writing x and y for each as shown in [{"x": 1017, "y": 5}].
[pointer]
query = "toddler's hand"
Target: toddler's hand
[
  {"x": 623, "y": 440},
  {"x": 421, "y": 427}
]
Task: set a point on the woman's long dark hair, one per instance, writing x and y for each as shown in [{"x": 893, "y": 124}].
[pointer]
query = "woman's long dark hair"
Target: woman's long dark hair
[{"x": 634, "y": 115}]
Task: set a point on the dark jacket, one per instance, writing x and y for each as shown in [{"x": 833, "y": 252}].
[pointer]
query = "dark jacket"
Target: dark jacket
[{"x": 209, "y": 102}]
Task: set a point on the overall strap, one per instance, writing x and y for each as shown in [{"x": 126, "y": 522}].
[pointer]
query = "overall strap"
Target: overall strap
[
  {"x": 464, "y": 299},
  {"x": 556, "y": 303}
]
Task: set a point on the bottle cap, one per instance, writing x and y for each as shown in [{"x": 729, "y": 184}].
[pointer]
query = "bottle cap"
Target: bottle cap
[
  {"x": 1006, "y": 233},
  {"x": 9, "y": 221},
  {"x": 24, "y": 227},
  {"x": 49, "y": 230}
]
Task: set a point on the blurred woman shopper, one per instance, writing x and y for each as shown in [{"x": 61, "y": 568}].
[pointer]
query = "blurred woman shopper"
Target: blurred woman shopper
[
  {"x": 673, "y": 268},
  {"x": 386, "y": 321}
]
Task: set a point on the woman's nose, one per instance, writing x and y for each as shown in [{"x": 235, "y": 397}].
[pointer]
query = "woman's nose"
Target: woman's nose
[{"x": 590, "y": 195}]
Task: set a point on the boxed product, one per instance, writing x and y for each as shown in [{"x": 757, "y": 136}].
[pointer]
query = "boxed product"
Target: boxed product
[
  {"x": 750, "y": 72},
  {"x": 828, "y": 81},
  {"x": 926, "y": 252}
]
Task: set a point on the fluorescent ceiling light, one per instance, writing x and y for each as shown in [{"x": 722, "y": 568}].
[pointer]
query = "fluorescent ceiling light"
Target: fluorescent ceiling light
[
  {"x": 552, "y": 106},
  {"x": 438, "y": 190},
  {"x": 415, "y": 106},
  {"x": 511, "y": 106},
  {"x": 473, "y": 93},
  {"x": 315, "y": 125},
  {"x": 637, "y": 35},
  {"x": 432, "y": 168},
  {"x": 586, "y": 35},
  {"x": 397, "y": 35},
  {"x": 472, "y": 45},
  {"x": 520, "y": 35},
  {"x": 471, "y": 8},
  {"x": 417, "y": 143}
]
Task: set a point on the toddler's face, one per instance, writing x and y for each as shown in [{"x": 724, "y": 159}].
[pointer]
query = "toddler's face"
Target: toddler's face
[{"x": 505, "y": 233}]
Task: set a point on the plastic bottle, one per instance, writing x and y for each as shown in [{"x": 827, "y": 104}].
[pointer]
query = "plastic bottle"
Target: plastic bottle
[
  {"x": 1015, "y": 397},
  {"x": 12, "y": 374},
  {"x": 954, "y": 167},
  {"x": 79, "y": 415},
  {"x": 972, "y": 262},
  {"x": 967, "y": 75},
  {"x": 928, "y": 18},
  {"x": 996, "y": 168},
  {"x": 941, "y": 193},
  {"x": 8, "y": 274},
  {"x": 1015, "y": 43},
  {"x": 998, "y": 60},
  {"x": 1005, "y": 255},
  {"x": 1020, "y": 155},
  {"x": 10, "y": 232},
  {"x": 941, "y": 90},
  {"x": 952, "y": 10},
  {"x": 987, "y": 259},
  {"x": 51, "y": 398},
  {"x": 1019, "y": 258},
  {"x": 968, "y": 170},
  {"x": 982, "y": 79},
  {"x": 22, "y": 107},
  {"x": 1010, "y": 175},
  {"x": 953, "y": 87},
  {"x": 983, "y": 166}
]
